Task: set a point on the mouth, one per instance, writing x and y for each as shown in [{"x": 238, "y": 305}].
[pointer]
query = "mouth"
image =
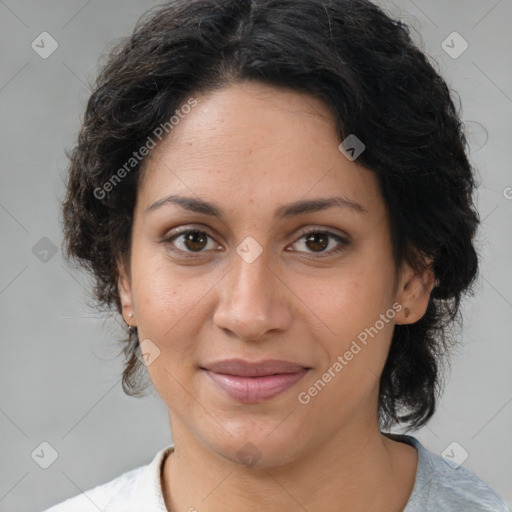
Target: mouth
[{"x": 251, "y": 382}]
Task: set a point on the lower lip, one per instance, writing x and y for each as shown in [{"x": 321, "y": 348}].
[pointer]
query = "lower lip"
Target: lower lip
[{"x": 249, "y": 390}]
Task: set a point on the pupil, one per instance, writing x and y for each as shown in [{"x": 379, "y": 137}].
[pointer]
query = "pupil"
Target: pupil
[
  {"x": 191, "y": 243},
  {"x": 315, "y": 236}
]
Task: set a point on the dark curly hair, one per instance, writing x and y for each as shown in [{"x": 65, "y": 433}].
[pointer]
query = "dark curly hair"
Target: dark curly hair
[{"x": 378, "y": 84}]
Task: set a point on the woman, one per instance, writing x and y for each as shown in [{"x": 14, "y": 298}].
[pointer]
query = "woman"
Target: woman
[{"x": 276, "y": 197}]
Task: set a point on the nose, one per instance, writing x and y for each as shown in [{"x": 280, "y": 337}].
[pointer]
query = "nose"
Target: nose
[{"x": 253, "y": 300}]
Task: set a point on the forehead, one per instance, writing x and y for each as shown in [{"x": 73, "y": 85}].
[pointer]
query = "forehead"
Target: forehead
[{"x": 252, "y": 143}]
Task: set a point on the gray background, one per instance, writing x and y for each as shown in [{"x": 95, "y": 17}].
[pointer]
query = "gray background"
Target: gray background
[{"x": 60, "y": 372}]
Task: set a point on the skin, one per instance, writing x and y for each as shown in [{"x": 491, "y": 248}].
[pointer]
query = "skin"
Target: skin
[{"x": 251, "y": 148}]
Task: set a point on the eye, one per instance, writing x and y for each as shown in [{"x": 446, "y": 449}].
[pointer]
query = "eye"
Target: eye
[
  {"x": 319, "y": 240},
  {"x": 190, "y": 241},
  {"x": 196, "y": 241}
]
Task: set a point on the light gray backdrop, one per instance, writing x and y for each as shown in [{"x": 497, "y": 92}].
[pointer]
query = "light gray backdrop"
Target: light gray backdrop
[{"x": 60, "y": 376}]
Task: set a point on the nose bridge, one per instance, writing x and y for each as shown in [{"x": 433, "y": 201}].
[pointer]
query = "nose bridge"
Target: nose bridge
[
  {"x": 251, "y": 279},
  {"x": 250, "y": 299}
]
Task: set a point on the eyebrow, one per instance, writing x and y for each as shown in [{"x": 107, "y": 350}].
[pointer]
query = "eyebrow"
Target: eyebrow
[{"x": 290, "y": 210}]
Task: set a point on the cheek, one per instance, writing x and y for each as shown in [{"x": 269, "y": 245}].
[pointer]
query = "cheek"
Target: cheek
[
  {"x": 350, "y": 373},
  {"x": 357, "y": 320},
  {"x": 350, "y": 300},
  {"x": 169, "y": 314},
  {"x": 165, "y": 294}
]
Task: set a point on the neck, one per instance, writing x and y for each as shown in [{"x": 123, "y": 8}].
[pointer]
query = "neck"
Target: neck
[{"x": 359, "y": 469}]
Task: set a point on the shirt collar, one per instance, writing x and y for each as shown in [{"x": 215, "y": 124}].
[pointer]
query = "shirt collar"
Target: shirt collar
[{"x": 147, "y": 492}]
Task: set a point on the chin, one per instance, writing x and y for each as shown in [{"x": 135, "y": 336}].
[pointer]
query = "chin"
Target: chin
[{"x": 259, "y": 450}]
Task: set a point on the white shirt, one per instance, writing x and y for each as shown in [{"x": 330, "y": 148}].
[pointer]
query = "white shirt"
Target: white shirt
[{"x": 438, "y": 487}]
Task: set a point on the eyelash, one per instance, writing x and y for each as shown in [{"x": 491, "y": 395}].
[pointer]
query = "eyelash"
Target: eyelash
[{"x": 342, "y": 242}]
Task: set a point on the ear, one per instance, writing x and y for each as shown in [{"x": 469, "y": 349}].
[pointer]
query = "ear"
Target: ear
[
  {"x": 124, "y": 287},
  {"x": 413, "y": 293}
]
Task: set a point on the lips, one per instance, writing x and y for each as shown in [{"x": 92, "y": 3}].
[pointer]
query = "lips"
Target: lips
[{"x": 251, "y": 382}]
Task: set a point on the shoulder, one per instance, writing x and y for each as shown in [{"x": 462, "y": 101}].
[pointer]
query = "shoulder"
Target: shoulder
[
  {"x": 443, "y": 486},
  {"x": 124, "y": 493},
  {"x": 101, "y": 496}
]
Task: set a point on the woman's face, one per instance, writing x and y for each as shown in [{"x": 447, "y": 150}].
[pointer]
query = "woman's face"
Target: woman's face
[{"x": 250, "y": 283}]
